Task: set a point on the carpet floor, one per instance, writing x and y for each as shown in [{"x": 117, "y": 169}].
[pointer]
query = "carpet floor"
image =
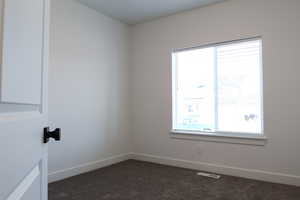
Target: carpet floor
[{"x": 136, "y": 180}]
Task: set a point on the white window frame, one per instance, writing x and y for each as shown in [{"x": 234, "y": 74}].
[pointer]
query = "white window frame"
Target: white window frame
[{"x": 218, "y": 136}]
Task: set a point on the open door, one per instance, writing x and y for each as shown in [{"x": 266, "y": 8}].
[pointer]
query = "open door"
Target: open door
[{"x": 24, "y": 32}]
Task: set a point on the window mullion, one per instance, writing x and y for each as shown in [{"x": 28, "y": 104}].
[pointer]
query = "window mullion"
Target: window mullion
[
  {"x": 174, "y": 90},
  {"x": 216, "y": 88}
]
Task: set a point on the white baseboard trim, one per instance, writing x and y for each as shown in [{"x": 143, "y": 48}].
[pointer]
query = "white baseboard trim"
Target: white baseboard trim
[
  {"x": 273, "y": 177},
  {"x": 222, "y": 169},
  {"x": 73, "y": 171}
]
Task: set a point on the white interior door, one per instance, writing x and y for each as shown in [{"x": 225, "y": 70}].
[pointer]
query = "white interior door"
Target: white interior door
[{"x": 23, "y": 94}]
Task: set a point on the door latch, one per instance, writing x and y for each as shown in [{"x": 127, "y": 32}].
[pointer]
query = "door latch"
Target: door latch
[{"x": 51, "y": 134}]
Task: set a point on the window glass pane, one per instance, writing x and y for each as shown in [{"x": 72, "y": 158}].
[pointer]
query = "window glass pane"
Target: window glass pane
[
  {"x": 239, "y": 87},
  {"x": 194, "y": 104},
  {"x": 218, "y": 88}
]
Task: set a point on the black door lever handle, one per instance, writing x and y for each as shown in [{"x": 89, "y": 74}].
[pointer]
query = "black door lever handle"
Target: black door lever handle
[{"x": 51, "y": 134}]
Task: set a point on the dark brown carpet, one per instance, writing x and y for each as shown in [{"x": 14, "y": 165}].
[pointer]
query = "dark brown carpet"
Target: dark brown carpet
[{"x": 135, "y": 180}]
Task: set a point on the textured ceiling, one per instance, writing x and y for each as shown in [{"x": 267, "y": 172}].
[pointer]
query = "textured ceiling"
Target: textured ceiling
[{"x": 137, "y": 11}]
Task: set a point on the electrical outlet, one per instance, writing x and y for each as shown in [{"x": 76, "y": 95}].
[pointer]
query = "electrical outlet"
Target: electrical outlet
[{"x": 199, "y": 150}]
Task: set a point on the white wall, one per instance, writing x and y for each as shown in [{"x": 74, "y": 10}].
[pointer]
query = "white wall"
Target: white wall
[
  {"x": 88, "y": 94},
  {"x": 100, "y": 110},
  {"x": 277, "y": 22}
]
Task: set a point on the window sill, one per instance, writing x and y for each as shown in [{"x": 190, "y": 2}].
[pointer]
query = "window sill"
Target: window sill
[{"x": 233, "y": 138}]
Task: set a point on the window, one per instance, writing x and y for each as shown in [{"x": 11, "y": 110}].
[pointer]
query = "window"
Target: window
[{"x": 218, "y": 88}]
